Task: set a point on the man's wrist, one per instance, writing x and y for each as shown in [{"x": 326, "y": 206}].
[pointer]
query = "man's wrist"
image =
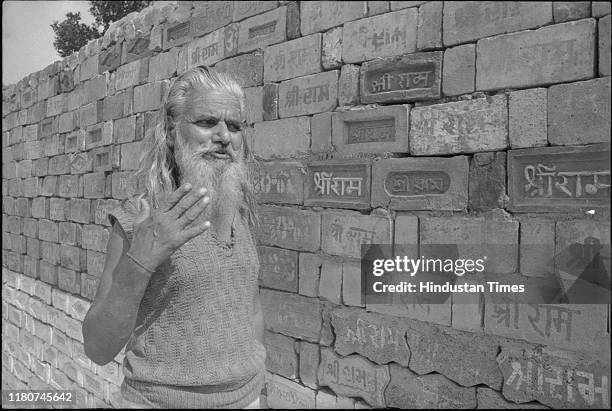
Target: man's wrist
[{"x": 140, "y": 262}]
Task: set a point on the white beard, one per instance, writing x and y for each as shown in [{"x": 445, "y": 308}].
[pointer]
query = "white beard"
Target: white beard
[{"x": 223, "y": 180}]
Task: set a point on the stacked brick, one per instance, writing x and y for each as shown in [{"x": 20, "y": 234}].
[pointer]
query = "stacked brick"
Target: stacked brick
[{"x": 394, "y": 122}]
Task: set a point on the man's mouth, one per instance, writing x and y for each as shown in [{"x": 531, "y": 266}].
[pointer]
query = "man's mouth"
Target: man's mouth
[{"x": 219, "y": 154}]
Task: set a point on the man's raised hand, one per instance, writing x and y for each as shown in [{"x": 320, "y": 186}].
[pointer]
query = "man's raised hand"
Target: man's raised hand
[{"x": 158, "y": 233}]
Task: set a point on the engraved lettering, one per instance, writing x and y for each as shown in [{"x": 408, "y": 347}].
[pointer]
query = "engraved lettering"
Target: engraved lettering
[
  {"x": 371, "y": 131},
  {"x": 409, "y": 183},
  {"x": 262, "y": 30},
  {"x": 179, "y": 31}
]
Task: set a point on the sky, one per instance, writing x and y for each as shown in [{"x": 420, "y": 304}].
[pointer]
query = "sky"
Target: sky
[{"x": 27, "y": 38}]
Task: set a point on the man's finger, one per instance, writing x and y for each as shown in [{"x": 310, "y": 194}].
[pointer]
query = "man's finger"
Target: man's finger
[
  {"x": 145, "y": 212},
  {"x": 194, "y": 212},
  {"x": 187, "y": 202},
  {"x": 174, "y": 198},
  {"x": 195, "y": 230}
]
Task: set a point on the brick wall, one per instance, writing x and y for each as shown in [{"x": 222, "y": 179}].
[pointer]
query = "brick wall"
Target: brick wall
[{"x": 474, "y": 91}]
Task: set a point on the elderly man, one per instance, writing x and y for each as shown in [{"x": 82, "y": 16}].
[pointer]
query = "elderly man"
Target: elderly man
[{"x": 179, "y": 285}]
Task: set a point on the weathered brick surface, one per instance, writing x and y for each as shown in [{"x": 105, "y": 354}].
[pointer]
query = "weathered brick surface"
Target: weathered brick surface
[
  {"x": 278, "y": 182},
  {"x": 383, "y": 129},
  {"x": 402, "y": 78},
  {"x": 205, "y": 50},
  {"x": 244, "y": 9},
  {"x": 290, "y": 228},
  {"x": 465, "y": 126},
  {"x": 281, "y": 356},
  {"x": 73, "y": 134},
  {"x": 247, "y": 69},
  {"x": 600, "y": 8},
  {"x": 309, "y": 94},
  {"x": 284, "y": 393},
  {"x": 488, "y": 398},
  {"x": 348, "y": 85},
  {"x": 459, "y": 72},
  {"x": 429, "y": 34},
  {"x": 147, "y": 97},
  {"x": 330, "y": 282},
  {"x": 463, "y": 357},
  {"x": 487, "y": 181},
  {"x": 282, "y": 138},
  {"x": 343, "y": 233},
  {"x": 263, "y": 30},
  {"x": 604, "y": 44},
  {"x": 131, "y": 74},
  {"x": 428, "y": 391},
  {"x": 321, "y": 15},
  {"x": 338, "y": 183},
  {"x": 163, "y": 65},
  {"x": 472, "y": 20},
  {"x": 309, "y": 360},
  {"x": 309, "y": 273},
  {"x": 387, "y": 35},
  {"x": 254, "y": 104},
  {"x": 278, "y": 268},
  {"x": 570, "y": 10},
  {"x": 270, "y": 101},
  {"x": 547, "y": 197},
  {"x": 527, "y": 117},
  {"x": 374, "y": 377},
  {"x": 537, "y": 247},
  {"x": 331, "y": 49},
  {"x": 578, "y": 113},
  {"x": 531, "y": 375},
  {"x": 294, "y": 58},
  {"x": 421, "y": 183},
  {"x": 377, "y": 337},
  {"x": 496, "y": 237},
  {"x": 554, "y": 54},
  {"x": 291, "y": 314},
  {"x": 583, "y": 331}
]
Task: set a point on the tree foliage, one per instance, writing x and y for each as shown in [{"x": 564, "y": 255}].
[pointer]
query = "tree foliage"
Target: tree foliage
[
  {"x": 71, "y": 33},
  {"x": 106, "y": 12}
]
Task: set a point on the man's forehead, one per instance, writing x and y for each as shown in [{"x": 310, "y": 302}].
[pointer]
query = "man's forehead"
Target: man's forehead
[{"x": 213, "y": 101}]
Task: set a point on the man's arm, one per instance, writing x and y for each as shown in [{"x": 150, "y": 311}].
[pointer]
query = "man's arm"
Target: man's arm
[
  {"x": 258, "y": 321},
  {"x": 112, "y": 316},
  {"x": 158, "y": 233}
]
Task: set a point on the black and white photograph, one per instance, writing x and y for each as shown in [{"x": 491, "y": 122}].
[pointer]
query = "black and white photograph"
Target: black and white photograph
[{"x": 306, "y": 204}]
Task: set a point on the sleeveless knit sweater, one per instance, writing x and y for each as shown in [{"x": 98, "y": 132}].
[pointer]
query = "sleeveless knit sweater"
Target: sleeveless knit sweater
[{"x": 193, "y": 345}]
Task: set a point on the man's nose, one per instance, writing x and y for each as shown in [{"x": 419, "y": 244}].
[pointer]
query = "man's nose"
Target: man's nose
[{"x": 222, "y": 134}]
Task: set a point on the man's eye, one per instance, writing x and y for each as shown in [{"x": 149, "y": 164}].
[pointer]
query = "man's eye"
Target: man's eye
[
  {"x": 234, "y": 127},
  {"x": 207, "y": 123}
]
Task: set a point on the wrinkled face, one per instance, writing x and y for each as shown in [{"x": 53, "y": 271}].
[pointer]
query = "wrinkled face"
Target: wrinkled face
[
  {"x": 212, "y": 126},
  {"x": 209, "y": 150}
]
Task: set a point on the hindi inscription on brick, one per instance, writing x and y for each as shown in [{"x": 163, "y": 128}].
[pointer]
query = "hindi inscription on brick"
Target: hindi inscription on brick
[
  {"x": 559, "y": 178},
  {"x": 406, "y": 78},
  {"x": 278, "y": 182},
  {"x": 338, "y": 183},
  {"x": 420, "y": 183},
  {"x": 354, "y": 376}
]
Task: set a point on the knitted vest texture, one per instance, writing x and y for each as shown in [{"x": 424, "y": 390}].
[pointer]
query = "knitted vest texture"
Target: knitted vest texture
[{"x": 194, "y": 345}]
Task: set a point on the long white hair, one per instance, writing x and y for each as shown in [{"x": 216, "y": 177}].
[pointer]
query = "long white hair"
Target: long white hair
[{"x": 158, "y": 165}]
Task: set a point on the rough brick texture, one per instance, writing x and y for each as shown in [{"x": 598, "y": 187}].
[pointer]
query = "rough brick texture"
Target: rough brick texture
[{"x": 411, "y": 123}]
